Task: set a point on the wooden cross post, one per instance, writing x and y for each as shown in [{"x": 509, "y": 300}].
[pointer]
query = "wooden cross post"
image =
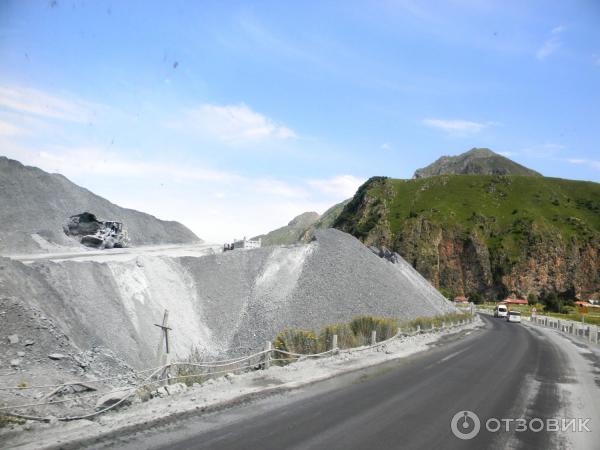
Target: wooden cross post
[{"x": 165, "y": 329}]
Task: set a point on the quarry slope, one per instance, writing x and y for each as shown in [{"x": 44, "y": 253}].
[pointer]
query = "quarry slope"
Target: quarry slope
[
  {"x": 226, "y": 303},
  {"x": 34, "y": 205}
]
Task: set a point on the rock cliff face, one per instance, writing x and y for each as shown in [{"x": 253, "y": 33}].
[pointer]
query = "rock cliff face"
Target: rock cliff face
[{"x": 488, "y": 234}]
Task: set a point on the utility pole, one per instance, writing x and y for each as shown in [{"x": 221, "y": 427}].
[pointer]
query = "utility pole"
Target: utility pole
[{"x": 165, "y": 337}]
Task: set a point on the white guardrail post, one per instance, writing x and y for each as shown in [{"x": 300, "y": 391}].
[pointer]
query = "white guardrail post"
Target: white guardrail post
[
  {"x": 334, "y": 343},
  {"x": 373, "y": 337},
  {"x": 592, "y": 332}
]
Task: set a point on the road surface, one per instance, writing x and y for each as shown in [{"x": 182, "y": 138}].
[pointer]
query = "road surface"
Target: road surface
[
  {"x": 502, "y": 371},
  {"x": 119, "y": 254}
]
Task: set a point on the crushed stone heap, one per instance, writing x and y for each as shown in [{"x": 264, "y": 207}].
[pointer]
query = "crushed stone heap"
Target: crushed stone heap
[{"x": 226, "y": 303}]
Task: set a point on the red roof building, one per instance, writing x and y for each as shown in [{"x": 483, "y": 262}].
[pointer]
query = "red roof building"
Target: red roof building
[
  {"x": 515, "y": 301},
  {"x": 461, "y": 299}
]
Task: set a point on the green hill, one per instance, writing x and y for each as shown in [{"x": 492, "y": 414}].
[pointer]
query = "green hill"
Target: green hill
[
  {"x": 492, "y": 234},
  {"x": 302, "y": 228},
  {"x": 290, "y": 233}
]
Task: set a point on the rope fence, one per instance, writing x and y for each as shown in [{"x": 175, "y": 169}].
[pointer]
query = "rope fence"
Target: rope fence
[{"x": 164, "y": 375}]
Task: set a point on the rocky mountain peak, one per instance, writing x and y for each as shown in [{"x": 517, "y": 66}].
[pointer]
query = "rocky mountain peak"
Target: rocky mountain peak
[{"x": 477, "y": 161}]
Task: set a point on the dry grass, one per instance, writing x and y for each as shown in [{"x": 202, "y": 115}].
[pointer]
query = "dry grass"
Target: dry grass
[
  {"x": 6, "y": 421},
  {"x": 363, "y": 326},
  {"x": 296, "y": 341},
  {"x": 346, "y": 337}
]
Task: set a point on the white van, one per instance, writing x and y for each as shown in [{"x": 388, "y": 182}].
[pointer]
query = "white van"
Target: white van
[
  {"x": 500, "y": 311},
  {"x": 514, "y": 316}
]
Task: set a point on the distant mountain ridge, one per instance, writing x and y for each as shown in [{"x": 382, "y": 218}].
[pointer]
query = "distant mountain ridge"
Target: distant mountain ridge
[
  {"x": 34, "y": 206},
  {"x": 477, "y": 161},
  {"x": 302, "y": 227}
]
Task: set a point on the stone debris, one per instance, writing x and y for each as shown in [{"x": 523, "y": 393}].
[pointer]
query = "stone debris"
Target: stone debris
[
  {"x": 57, "y": 356},
  {"x": 171, "y": 389},
  {"x": 176, "y": 388},
  {"x": 113, "y": 397},
  {"x": 15, "y": 362},
  {"x": 13, "y": 339}
]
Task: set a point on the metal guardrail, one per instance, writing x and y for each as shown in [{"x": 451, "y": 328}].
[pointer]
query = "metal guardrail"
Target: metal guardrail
[{"x": 570, "y": 327}]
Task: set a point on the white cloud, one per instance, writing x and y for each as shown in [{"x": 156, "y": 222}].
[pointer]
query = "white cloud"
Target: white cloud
[
  {"x": 586, "y": 162},
  {"x": 551, "y": 44},
  {"x": 279, "y": 188},
  {"x": 386, "y": 146},
  {"x": 42, "y": 104},
  {"x": 233, "y": 124},
  {"x": 341, "y": 186},
  {"x": 542, "y": 151},
  {"x": 8, "y": 129},
  {"x": 457, "y": 126},
  {"x": 90, "y": 161}
]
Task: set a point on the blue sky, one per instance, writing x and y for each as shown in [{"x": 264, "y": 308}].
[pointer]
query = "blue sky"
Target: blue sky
[{"x": 232, "y": 117}]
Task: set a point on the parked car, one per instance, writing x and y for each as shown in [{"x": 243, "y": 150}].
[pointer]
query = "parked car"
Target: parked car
[
  {"x": 500, "y": 311},
  {"x": 513, "y": 316}
]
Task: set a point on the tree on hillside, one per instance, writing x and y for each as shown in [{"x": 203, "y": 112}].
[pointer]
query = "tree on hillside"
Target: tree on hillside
[
  {"x": 532, "y": 299},
  {"x": 475, "y": 297}
]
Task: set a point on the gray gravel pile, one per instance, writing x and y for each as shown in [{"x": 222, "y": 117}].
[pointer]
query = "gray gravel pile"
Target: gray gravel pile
[
  {"x": 34, "y": 206},
  {"x": 228, "y": 303},
  {"x": 36, "y": 347}
]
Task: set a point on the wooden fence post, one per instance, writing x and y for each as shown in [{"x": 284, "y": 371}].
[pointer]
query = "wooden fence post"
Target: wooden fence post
[{"x": 268, "y": 348}]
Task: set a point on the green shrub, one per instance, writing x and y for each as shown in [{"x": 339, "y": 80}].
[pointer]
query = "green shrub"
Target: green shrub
[
  {"x": 346, "y": 337},
  {"x": 362, "y": 327},
  {"x": 426, "y": 323},
  {"x": 296, "y": 341},
  {"x": 353, "y": 334}
]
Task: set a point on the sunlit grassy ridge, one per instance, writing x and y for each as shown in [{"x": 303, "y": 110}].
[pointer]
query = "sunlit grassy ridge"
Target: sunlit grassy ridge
[{"x": 504, "y": 206}]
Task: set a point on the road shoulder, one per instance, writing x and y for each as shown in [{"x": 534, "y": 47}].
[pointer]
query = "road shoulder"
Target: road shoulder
[{"x": 218, "y": 394}]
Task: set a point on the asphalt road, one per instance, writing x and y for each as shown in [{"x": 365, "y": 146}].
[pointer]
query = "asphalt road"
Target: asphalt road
[{"x": 502, "y": 371}]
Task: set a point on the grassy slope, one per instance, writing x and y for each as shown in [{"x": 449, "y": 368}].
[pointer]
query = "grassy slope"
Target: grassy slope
[{"x": 514, "y": 202}]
